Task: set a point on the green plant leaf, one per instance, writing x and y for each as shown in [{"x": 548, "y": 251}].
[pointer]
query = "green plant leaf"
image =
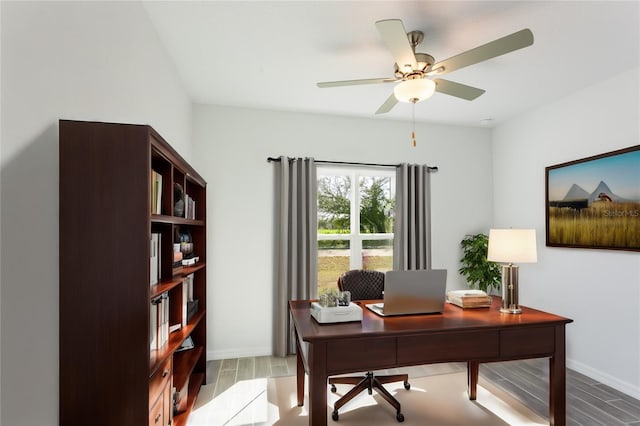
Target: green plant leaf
[{"x": 475, "y": 267}]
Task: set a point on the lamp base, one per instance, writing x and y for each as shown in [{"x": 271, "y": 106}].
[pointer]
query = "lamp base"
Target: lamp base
[{"x": 510, "y": 289}]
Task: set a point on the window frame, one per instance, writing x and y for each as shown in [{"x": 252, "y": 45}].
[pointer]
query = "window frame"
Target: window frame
[{"x": 355, "y": 237}]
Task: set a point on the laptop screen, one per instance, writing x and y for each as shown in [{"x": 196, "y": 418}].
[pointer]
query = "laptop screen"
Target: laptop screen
[{"x": 413, "y": 292}]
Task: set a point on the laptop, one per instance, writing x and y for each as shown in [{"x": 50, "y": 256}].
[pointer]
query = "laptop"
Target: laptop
[{"x": 412, "y": 292}]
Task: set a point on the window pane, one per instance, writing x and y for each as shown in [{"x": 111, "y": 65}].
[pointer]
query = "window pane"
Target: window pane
[
  {"x": 334, "y": 204},
  {"x": 333, "y": 260},
  {"x": 376, "y": 205},
  {"x": 377, "y": 255}
]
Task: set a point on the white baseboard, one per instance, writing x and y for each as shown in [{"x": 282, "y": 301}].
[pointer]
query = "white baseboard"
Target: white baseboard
[
  {"x": 239, "y": 353},
  {"x": 606, "y": 379}
]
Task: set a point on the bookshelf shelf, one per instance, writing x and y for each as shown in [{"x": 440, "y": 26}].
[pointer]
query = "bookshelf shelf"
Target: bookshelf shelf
[
  {"x": 175, "y": 340},
  {"x": 176, "y": 220},
  {"x": 124, "y": 195},
  {"x": 181, "y": 419},
  {"x": 164, "y": 286}
]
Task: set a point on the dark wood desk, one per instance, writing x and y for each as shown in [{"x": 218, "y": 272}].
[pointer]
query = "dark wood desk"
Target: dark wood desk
[{"x": 473, "y": 336}]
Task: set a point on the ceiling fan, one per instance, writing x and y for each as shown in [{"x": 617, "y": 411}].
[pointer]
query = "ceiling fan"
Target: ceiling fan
[{"x": 414, "y": 71}]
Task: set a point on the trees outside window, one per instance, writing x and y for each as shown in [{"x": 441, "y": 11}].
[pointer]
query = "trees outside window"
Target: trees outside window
[{"x": 355, "y": 221}]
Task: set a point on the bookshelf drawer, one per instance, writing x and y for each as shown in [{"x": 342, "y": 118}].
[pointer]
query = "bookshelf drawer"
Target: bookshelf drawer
[
  {"x": 159, "y": 381},
  {"x": 156, "y": 413}
]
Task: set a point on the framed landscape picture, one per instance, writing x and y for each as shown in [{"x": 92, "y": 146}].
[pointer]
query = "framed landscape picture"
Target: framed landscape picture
[{"x": 594, "y": 202}]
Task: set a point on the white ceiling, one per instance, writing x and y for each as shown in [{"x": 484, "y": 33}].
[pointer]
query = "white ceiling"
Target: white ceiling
[{"x": 269, "y": 55}]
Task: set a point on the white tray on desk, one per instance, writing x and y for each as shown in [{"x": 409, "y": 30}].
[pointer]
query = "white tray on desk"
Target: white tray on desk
[{"x": 325, "y": 315}]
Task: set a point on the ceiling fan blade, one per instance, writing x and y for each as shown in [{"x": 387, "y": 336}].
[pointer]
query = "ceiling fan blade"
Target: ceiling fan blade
[
  {"x": 457, "y": 89},
  {"x": 515, "y": 41},
  {"x": 395, "y": 37},
  {"x": 355, "y": 82},
  {"x": 387, "y": 105}
]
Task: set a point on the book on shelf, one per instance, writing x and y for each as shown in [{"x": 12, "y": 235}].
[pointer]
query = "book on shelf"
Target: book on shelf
[
  {"x": 153, "y": 327},
  {"x": 189, "y": 207},
  {"x": 190, "y": 261},
  {"x": 156, "y": 193},
  {"x": 185, "y": 299},
  {"x": 188, "y": 283},
  {"x": 186, "y": 344},
  {"x": 469, "y": 298},
  {"x": 159, "y": 322},
  {"x": 154, "y": 265}
]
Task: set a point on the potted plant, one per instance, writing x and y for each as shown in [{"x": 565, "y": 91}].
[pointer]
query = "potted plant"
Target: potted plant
[{"x": 475, "y": 266}]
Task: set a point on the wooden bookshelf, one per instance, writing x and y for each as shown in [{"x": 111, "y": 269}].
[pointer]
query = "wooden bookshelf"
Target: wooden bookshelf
[{"x": 109, "y": 210}]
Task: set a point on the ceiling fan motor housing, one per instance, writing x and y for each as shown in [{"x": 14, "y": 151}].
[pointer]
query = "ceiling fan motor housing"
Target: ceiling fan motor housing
[{"x": 424, "y": 62}]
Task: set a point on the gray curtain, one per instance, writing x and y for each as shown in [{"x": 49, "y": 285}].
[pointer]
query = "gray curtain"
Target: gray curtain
[
  {"x": 412, "y": 233},
  {"x": 296, "y": 244}
]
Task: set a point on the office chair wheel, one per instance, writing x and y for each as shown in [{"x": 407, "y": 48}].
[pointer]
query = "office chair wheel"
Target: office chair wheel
[
  {"x": 399, "y": 417},
  {"x": 407, "y": 385},
  {"x": 333, "y": 388},
  {"x": 334, "y": 415}
]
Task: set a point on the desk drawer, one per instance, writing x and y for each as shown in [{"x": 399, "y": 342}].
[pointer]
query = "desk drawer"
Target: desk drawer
[
  {"x": 527, "y": 342},
  {"x": 447, "y": 347},
  {"x": 361, "y": 354}
]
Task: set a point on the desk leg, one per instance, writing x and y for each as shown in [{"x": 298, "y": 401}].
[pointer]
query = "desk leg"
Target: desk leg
[
  {"x": 473, "y": 367},
  {"x": 299, "y": 374},
  {"x": 558, "y": 381},
  {"x": 317, "y": 384}
]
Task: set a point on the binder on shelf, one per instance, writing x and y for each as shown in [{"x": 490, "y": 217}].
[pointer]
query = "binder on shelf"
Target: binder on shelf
[
  {"x": 159, "y": 311},
  {"x": 153, "y": 327},
  {"x": 185, "y": 299},
  {"x": 165, "y": 319},
  {"x": 154, "y": 265},
  {"x": 188, "y": 283}
]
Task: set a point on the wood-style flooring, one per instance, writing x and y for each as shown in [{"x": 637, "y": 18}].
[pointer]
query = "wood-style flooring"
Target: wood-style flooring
[{"x": 589, "y": 403}]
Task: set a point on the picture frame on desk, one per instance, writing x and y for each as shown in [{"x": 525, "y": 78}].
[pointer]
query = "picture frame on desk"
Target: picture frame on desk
[{"x": 594, "y": 202}]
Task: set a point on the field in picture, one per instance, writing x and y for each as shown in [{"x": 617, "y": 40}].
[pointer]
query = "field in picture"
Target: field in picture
[{"x": 615, "y": 225}]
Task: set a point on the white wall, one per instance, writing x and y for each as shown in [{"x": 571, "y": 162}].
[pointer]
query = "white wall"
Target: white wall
[
  {"x": 75, "y": 60},
  {"x": 231, "y": 150},
  {"x": 598, "y": 289}
]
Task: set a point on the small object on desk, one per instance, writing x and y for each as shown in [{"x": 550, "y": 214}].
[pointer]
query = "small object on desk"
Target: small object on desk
[
  {"x": 469, "y": 298},
  {"x": 344, "y": 298},
  {"x": 335, "y": 314}
]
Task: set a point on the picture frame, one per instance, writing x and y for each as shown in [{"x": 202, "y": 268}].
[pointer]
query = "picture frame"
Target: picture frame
[{"x": 594, "y": 202}]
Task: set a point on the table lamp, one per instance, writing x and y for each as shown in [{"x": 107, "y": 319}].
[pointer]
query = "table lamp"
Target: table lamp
[{"x": 509, "y": 246}]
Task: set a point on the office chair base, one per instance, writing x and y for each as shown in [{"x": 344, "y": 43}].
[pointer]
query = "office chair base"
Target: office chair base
[
  {"x": 369, "y": 382},
  {"x": 335, "y": 416}
]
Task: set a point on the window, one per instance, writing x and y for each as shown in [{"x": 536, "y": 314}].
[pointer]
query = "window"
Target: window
[{"x": 355, "y": 221}]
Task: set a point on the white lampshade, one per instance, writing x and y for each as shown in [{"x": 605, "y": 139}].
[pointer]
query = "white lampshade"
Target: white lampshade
[
  {"x": 415, "y": 90},
  {"x": 512, "y": 246}
]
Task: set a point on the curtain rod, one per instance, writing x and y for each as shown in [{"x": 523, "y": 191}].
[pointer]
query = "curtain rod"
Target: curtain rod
[{"x": 349, "y": 163}]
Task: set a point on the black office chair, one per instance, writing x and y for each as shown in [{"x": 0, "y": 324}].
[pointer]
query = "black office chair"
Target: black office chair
[{"x": 365, "y": 285}]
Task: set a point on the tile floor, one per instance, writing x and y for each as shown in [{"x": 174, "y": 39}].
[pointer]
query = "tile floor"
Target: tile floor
[{"x": 589, "y": 403}]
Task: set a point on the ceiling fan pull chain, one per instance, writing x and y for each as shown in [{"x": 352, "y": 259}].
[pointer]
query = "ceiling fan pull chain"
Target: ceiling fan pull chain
[{"x": 413, "y": 118}]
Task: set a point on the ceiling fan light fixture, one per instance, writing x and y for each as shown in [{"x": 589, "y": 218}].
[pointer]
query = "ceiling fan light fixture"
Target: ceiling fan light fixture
[{"x": 415, "y": 90}]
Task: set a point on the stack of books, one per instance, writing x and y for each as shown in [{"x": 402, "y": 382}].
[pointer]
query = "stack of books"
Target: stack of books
[{"x": 469, "y": 298}]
